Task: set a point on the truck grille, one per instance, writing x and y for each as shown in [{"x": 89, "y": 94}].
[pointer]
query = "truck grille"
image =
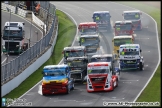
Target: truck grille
[
  {"x": 130, "y": 61},
  {"x": 136, "y": 22},
  {"x": 11, "y": 45},
  {"x": 98, "y": 80},
  {"x": 54, "y": 85},
  {"x": 76, "y": 76}
]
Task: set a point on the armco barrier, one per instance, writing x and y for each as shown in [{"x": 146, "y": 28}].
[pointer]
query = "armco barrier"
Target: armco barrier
[
  {"x": 5, "y": 6},
  {"x": 21, "y": 63},
  {"x": 22, "y": 12},
  {"x": 16, "y": 81}
]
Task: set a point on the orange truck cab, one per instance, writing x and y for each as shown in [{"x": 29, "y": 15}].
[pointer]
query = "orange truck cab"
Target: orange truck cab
[
  {"x": 124, "y": 28},
  {"x": 88, "y": 28},
  {"x": 100, "y": 77}
]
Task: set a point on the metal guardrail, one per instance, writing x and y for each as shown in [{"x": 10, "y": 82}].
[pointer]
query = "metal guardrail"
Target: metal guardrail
[{"x": 17, "y": 65}]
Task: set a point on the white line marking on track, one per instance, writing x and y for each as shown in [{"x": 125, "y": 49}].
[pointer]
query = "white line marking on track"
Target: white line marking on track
[{"x": 158, "y": 52}]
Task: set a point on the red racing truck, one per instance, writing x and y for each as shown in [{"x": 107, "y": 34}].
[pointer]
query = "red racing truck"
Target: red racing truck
[
  {"x": 88, "y": 28},
  {"x": 135, "y": 17},
  {"x": 100, "y": 77},
  {"x": 124, "y": 28}
]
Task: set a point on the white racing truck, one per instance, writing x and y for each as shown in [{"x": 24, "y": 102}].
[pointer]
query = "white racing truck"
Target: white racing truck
[
  {"x": 13, "y": 38},
  {"x": 130, "y": 57}
]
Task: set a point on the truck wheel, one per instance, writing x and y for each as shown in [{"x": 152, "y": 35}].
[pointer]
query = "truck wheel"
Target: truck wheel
[
  {"x": 112, "y": 86},
  {"x": 117, "y": 82},
  {"x": 26, "y": 46},
  {"x": 72, "y": 87},
  {"x": 68, "y": 89},
  {"x": 141, "y": 66}
]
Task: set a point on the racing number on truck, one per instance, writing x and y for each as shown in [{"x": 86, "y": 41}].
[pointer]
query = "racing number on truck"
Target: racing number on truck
[
  {"x": 82, "y": 40},
  {"x": 69, "y": 64},
  {"x": 136, "y": 16},
  {"x": 89, "y": 71},
  {"x": 66, "y": 54},
  {"x": 118, "y": 28}
]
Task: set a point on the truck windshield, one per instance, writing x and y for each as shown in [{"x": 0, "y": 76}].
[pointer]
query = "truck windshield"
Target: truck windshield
[
  {"x": 118, "y": 42},
  {"x": 101, "y": 59},
  {"x": 120, "y": 27},
  {"x": 102, "y": 17},
  {"x": 97, "y": 71},
  {"x": 55, "y": 73},
  {"x": 76, "y": 53},
  {"x": 12, "y": 33},
  {"x": 132, "y": 16},
  {"x": 76, "y": 63},
  {"x": 88, "y": 30},
  {"x": 129, "y": 53},
  {"x": 90, "y": 40}
]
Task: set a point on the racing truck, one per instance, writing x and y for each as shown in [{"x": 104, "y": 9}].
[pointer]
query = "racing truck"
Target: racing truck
[
  {"x": 100, "y": 77},
  {"x": 91, "y": 42},
  {"x": 102, "y": 18},
  {"x": 13, "y": 38},
  {"x": 124, "y": 28},
  {"x": 56, "y": 79},
  {"x": 131, "y": 57},
  {"x": 74, "y": 51},
  {"x": 88, "y": 28},
  {"x": 78, "y": 67},
  {"x": 119, "y": 40},
  {"x": 103, "y": 58},
  {"x": 135, "y": 17}
]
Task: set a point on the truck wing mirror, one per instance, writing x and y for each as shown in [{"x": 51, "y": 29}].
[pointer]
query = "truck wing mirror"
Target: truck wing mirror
[
  {"x": 62, "y": 52},
  {"x": 112, "y": 40},
  {"x": 140, "y": 50},
  {"x": 113, "y": 26}
]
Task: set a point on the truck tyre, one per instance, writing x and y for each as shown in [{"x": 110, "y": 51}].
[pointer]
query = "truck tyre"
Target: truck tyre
[
  {"x": 68, "y": 89},
  {"x": 117, "y": 82},
  {"x": 141, "y": 66},
  {"x": 112, "y": 86},
  {"x": 26, "y": 46},
  {"x": 72, "y": 87}
]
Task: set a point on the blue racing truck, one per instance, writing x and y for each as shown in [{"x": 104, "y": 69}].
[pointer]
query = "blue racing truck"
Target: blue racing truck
[
  {"x": 131, "y": 57},
  {"x": 57, "y": 79},
  {"x": 102, "y": 18}
]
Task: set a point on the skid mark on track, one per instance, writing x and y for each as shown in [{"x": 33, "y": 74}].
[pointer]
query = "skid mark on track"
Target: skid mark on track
[{"x": 113, "y": 98}]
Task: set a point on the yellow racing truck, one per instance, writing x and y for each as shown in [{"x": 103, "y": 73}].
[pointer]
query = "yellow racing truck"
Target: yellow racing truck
[{"x": 120, "y": 40}]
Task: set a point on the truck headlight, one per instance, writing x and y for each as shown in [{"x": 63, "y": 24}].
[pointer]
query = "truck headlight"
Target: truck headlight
[{"x": 4, "y": 47}]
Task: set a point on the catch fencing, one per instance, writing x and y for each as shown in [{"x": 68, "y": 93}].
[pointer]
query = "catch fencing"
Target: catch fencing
[{"x": 17, "y": 65}]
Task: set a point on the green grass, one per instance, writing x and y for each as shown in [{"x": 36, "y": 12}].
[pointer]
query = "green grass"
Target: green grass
[
  {"x": 66, "y": 31},
  {"x": 152, "y": 92}
]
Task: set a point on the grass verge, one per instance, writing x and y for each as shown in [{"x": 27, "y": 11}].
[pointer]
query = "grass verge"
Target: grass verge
[
  {"x": 152, "y": 92},
  {"x": 66, "y": 31}
]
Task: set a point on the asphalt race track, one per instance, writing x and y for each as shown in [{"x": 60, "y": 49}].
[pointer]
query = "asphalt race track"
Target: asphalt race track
[
  {"x": 131, "y": 82},
  {"x": 27, "y": 26}
]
